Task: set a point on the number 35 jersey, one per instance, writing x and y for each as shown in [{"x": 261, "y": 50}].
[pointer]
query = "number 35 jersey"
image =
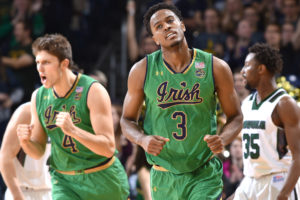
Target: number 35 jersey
[
  {"x": 264, "y": 144},
  {"x": 181, "y": 107}
]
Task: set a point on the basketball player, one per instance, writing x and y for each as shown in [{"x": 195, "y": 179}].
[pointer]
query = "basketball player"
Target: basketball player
[
  {"x": 25, "y": 177},
  {"x": 178, "y": 85},
  {"x": 271, "y": 139},
  {"x": 75, "y": 112}
]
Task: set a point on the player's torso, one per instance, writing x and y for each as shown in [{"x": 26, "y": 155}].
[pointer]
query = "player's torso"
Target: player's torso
[
  {"x": 66, "y": 152},
  {"x": 264, "y": 144},
  {"x": 181, "y": 107}
]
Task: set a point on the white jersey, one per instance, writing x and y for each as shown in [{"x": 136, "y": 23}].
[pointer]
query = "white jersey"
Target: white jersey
[
  {"x": 264, "y": 144},
  {"x": 35, "y": 173}
]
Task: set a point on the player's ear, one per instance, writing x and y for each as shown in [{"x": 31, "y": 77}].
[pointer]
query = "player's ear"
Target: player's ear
[
  {"x": 182, "y": 26},
  {"x": 155, "y": 40},
  {"x": 65, "y": 63},
  {"x": 262, "y": 68}
]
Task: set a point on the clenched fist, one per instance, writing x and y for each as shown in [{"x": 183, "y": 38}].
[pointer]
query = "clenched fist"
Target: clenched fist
[
  {"x": 215, "y": 143},
  {"x": 24, "y": 132},
  {"x": 64, "y": 121}
]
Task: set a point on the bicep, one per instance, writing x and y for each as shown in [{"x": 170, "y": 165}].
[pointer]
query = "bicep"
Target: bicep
[
  {"x": 227, "y": 95},
  {"x": 99, "y": 105},
  {"x": 38, "y": 134},
  {"x": 135, "y": 95}
]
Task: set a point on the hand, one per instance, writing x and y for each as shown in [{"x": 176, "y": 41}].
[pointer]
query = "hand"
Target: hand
[
  {"x": 282, "y": 197},
  {"x": 153, "y": 144},
  {"x": 215, "y": 143},
  {"x": 130, "y": 7},
  {"x": 24, "y": 132},
  {"x": 64, "y": 121}
]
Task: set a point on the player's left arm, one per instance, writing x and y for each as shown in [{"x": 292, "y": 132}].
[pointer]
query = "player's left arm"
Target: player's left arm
[
  {"x": 99, "y": 104},
  {"x": 289, "y": 116},
  {"x": 230, "y": 104}
]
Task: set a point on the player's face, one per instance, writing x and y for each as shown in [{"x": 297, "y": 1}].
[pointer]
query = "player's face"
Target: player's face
[
  {"x": 250, "y": 71},
  {"x": 167, "y": 29},
  {"x": 49, "y": 68}
]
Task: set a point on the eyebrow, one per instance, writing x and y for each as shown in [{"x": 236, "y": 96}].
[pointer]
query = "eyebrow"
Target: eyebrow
[{"x": 170, "y": 16}]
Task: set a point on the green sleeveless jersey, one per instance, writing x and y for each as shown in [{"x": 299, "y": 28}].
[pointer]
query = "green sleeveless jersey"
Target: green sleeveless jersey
[
  {"x": 66, "y": 152},
  {"x": 181, "y": 107}
]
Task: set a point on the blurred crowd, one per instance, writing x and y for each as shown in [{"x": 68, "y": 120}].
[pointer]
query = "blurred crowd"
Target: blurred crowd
[{"x": 225, "y": 28}]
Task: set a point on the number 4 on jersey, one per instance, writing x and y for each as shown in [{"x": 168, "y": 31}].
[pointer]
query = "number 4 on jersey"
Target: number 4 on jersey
[{"x": 69, "y": 143}]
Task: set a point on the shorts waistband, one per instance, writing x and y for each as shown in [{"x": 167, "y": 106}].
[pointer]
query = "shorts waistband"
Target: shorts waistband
[
  {"x": 160, "y": 168},
  {"x": 97, "y": 168}
]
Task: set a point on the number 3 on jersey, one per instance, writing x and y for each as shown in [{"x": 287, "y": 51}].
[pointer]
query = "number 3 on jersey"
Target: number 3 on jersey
[
  {"x": 251, "y": 147},
  {"x": 181, "y": 125}
]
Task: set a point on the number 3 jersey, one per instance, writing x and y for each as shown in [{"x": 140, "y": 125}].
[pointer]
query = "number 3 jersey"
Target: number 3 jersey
[
  {"x": 264, "y": 144},
  {"x": 66, "y": 152},
  {"x": 181, "y": 107}
]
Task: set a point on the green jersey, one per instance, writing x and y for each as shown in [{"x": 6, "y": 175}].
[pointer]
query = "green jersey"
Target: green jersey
[
  {"x": 181, "y": 107},
  {"x": 66, "y": 152}
]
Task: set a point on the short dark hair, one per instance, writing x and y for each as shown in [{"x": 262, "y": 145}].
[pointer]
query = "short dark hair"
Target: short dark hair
[
  {"x": 268, "y": 56},
  {"x": 157, "y": 7},
  {"x": 55, "y": 44}
]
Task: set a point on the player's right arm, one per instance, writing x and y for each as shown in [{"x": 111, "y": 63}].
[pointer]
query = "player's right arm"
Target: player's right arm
[
  {"x": 10, "y": 149},
  {"x": 32, "y": 137},
  {"x": 131, "y": 110}
]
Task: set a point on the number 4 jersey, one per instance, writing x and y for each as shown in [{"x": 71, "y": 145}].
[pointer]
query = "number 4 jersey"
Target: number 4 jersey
[
  {"x": 66, "y": 152},
  {"x": 264, "y": 144},
  {"x": 181, "y": 107}
]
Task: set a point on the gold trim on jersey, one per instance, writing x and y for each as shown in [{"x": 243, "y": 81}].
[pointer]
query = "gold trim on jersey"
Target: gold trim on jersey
[
  {"x": 71, "y": 90},
  {"x": 194, "y": 57},
  {"x": 186, "y": 69},
  {"x": 159, "y": 168},
  {"x": 91, "y": 170}
]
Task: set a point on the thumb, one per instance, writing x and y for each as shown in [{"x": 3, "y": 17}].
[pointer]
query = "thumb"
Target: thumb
[
  {"x": 206, "y": 137},
  {"x": 162, "y": 138},
  {"x": 31, "y": 126}
]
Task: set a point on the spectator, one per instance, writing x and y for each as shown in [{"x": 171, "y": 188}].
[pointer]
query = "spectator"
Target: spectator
[
  {"x": 146, "y": 45},
  {"x": 20, "y": 60},
  {"x": 240, "y": 85},
  {"x": 212, "y": 39},
  {"x": 233, "y": 167},
  {"x": 290, "y": 12},
  {"x": 252, "y": 16},
  {"x": 233, "y": 13},
  {"x": 273, "y": 38}
]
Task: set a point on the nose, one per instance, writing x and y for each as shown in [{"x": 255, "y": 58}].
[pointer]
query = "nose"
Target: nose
[{"x": 167, "y": 26}]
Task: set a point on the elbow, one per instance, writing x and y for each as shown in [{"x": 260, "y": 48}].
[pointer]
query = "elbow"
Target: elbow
[{"x": 111, "y": 149}]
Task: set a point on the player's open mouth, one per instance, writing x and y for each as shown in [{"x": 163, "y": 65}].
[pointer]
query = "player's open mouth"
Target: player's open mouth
[
  {"x": 171, "y": 35},
  {"x": 43, "y": 78}
]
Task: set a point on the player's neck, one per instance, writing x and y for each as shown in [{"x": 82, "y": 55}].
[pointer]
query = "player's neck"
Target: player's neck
[
  {"x": 178, "y": 57},
  {"x": 65, "y": 83},
  {"x": 265, "y": 89}
]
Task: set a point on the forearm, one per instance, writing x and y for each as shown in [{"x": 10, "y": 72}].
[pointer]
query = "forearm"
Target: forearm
[
  {"x": 231, "y": 129},
  {"x": 133, "y": 49},
  {"x": 10, "y": 62},
  {"x": 33, "y": 149},
  {"x": 292, "y": 178},
  {"x": 132, "y": 131},
  {"x": 10, "y": 178},
  {"x": 99, "y": 144}
]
